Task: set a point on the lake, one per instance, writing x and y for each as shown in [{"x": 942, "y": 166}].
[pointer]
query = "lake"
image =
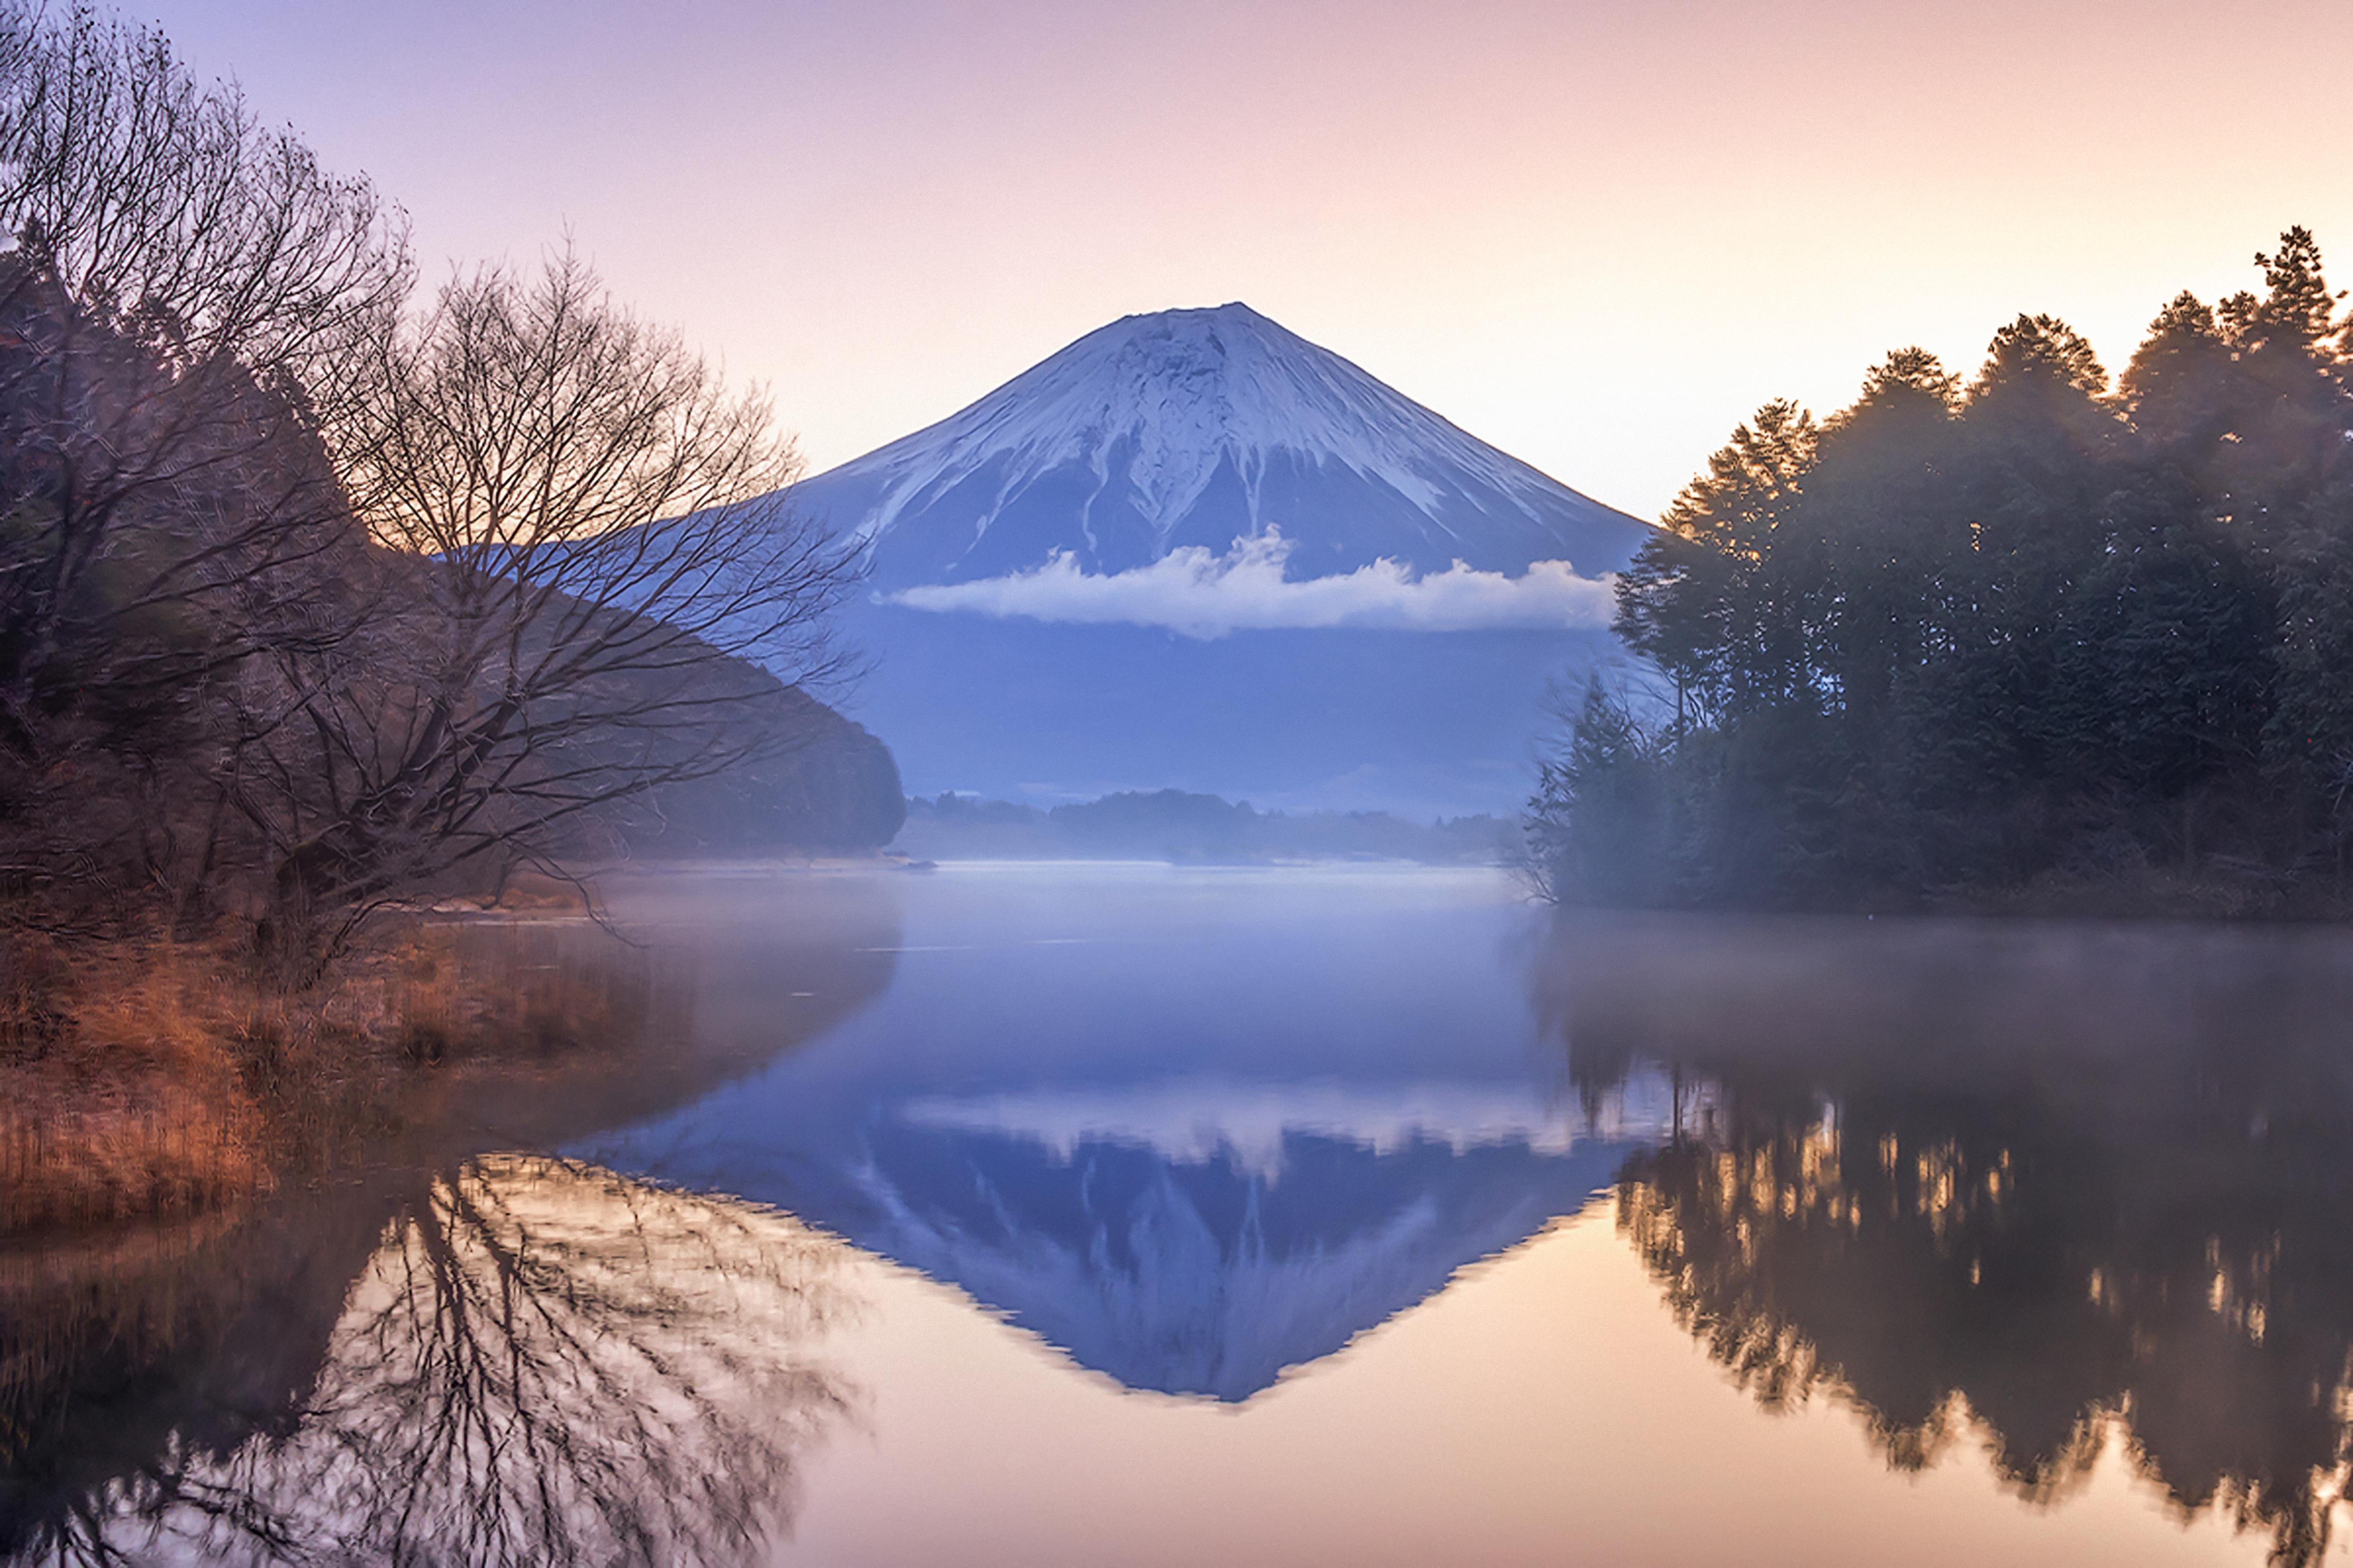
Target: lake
[{"x": 1130, "y": 1214}]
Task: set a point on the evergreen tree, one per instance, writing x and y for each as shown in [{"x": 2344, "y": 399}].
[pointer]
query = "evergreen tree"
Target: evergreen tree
[
  {"x": 1596, "y": 828},
  {"x": 1716, "y": 600},
  {"x": 1969, "y": 636}
]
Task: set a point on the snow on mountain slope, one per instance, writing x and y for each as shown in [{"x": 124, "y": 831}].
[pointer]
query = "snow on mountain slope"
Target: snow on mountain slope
[{"x": 1196, "y": 428}]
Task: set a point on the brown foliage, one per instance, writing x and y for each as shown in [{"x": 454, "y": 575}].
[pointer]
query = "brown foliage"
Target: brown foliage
[
  {"x": 126, "y": 1097},
  {"x": 150, "y": 1078}
]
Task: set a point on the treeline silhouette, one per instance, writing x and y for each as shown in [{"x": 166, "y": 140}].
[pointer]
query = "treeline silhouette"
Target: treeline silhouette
[
  {"x": 2035, "y": 626},
  {"x": 1175, "y": 825}
]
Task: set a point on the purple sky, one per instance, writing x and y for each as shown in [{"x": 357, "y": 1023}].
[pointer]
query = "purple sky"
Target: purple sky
[{"x": 1594, "y": 235}]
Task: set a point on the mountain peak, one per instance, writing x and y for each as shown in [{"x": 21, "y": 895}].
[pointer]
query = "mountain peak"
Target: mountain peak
[
  {"x": 1233, "y": 312},
  {"x": 1202, "y": 426}
]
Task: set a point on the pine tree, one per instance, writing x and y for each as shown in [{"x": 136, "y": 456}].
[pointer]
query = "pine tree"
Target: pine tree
[{"x": 1969, "y": 635}]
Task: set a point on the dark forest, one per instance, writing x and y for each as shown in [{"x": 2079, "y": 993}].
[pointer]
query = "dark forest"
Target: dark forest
[{"x": 2039, "y": 635}]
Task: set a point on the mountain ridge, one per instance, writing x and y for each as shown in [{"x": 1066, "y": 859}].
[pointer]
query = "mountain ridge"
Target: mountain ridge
[{"x": 1199, "y": 428}]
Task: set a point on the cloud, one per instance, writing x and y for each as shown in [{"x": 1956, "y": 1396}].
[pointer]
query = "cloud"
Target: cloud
[{"x": 1200, "y": 595}]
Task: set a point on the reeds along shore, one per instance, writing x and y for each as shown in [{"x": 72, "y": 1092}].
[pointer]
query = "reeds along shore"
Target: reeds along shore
[{"x": 143, "y": 1079}]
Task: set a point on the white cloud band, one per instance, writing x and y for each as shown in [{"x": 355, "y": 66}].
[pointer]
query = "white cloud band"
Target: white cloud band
[{"x": 1200, "y": 595}]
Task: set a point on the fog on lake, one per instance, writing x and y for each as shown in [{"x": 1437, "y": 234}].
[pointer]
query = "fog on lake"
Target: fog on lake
[{"x": 1087, "y": 1214}]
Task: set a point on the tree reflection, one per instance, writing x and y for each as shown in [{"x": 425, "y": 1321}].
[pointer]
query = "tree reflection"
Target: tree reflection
[
  {"x": 2041, "y": 1190},
  {"x": 453, "y": 1355},
  {"x": 539, "y": 1362}
]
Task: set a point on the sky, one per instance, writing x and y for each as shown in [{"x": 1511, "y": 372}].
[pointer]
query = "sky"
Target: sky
[{"x": 1595, "y": 234}]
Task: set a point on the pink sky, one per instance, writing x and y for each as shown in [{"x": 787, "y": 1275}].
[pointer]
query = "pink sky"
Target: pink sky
[{"x": 1596, "y": 235}]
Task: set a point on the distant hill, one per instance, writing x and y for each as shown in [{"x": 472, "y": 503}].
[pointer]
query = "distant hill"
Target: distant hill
[
  {"x": 834, "y": 787},
  {"x": 809, "y": 780},
  {"x": 1171, "y": 824}
]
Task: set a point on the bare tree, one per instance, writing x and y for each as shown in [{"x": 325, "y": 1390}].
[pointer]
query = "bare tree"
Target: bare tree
[
  {"x": 584, "y": 591},
  {"x": 185, "y": 297},
  {"x": 308, "y": 603},
  {"x": 539, "y": 1362}
]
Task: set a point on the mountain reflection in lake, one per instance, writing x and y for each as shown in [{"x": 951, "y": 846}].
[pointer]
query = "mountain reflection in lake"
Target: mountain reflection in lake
[
  {"x": 1087, "y": 1215},
  {"x": 1193, "y": 1128}
]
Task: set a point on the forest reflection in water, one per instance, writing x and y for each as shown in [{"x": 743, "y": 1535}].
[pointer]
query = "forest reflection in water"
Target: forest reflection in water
[
  {"x": 454, "y": 1352},
  {"x": 2033, "y": 1185},
  {"x": 537, "y": 1362}
]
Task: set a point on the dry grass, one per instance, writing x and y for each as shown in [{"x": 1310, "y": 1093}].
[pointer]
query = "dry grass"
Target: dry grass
[
  {"x": 452, "y": 994},
  {"x": 144, "y": 1080},
  {"x": 125, "y": 1099}
]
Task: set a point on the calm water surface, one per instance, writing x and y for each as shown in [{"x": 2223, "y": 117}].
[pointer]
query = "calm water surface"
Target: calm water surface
[{"x": 1096, "y": 1215}]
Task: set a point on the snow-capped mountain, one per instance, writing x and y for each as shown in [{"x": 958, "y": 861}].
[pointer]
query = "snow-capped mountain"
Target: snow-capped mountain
[
  {"x": 1194, "y": 550},
  {"x": 1196, "y": 428}
]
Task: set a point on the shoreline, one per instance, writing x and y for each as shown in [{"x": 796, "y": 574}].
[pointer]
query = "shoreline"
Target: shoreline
[{"x": 147, "y": 1081}]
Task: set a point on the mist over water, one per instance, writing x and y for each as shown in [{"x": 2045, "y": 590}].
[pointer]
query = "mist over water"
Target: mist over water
[
  {"x": 1193, "y": 1127},
  {"x": 1079, "y": 1214}
]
